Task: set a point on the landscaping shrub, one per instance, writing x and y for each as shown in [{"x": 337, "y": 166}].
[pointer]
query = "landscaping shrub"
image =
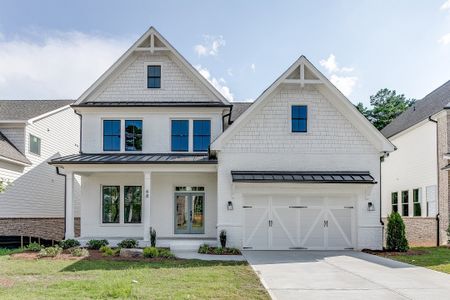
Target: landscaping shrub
[
  {"x": 50, "y": 251},
  {"x": 203, "y": 249},
  {"x": 35, "y": 247},
  {"x": 79, "y": 252},
  {"x": 206, "y": 249},
  {"x": 448, "y": 233},
  {"x": 128, "y": 243},
  {"x": 96, "y": 244},
  {"x": 165, "y": 253},
  {"x": 223, "y": 238},
  {"x": 152, "y": 252},
  {"x": 108, "y": 251},
  {"x": 396, "y": 236},
  {"x": 152, "y": 237},
  {"x": 70, "y": 243}
]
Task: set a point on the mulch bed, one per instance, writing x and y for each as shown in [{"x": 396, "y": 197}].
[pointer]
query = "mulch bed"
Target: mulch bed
[
  {"x": 386, "y": 253},
  {"x": 93, "y": 255},
  {"x": 225, "y": 251}
]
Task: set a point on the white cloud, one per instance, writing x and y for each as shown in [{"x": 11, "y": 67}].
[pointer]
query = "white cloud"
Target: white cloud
[
  {"x": 59, "y": 65},
  {"x": 344, "y": 83},
  {"x": 445, "y": 5},
  {"x": 210, "y": 46},
  {"x": 445, "y": 39},
  {"x": 253, "y": 67},
  {"x": 247, "y": 100},
  {"x": 329, "y": 63},
  {"x": 219, "y": 84}
]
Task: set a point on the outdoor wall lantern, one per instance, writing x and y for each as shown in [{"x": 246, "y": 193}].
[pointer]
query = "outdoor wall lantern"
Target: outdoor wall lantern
[
  {"x": 230, "y": 205},
  {"x": 370, "y": 206}
]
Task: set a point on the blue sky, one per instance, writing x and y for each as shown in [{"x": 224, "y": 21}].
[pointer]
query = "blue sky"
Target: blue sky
[{"x": 56, "y": 49}]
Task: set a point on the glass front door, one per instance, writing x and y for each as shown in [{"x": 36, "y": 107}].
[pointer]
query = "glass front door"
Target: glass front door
[{"x": 189, "y": 213}]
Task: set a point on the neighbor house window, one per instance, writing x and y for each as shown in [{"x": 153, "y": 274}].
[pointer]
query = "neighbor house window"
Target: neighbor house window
[
  {"x": 111, "y": 135},
  {"x": 180, "y": 135},
  {"x": 35, "y": 145},
  {"x": 405, "y": 203},
  {"x": 394, "y": 200},
  {"x": 111, "y": 204},
  {"x": 299, "y": 118},
  {"x": 416, "y": 203},
  {"x": 133, "y": 135},
  {"x": 133, "y": 204},
  {"x": 202, "y": 135},
  {"x": 153, "y": 77}
]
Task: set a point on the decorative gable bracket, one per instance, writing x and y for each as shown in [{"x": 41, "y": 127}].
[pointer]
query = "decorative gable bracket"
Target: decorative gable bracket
[
  {"x": 302, "y": 75},
  {"x": 152, "y": 43}
]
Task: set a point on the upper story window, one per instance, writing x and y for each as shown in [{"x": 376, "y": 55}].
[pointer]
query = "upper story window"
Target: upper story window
[
  {"x": 405, "y": 203},
  {"x": 180, "y": 135},
  {"x": 111, "y": 135},
  {"x": 153, "y": 77},
  {"x": 299, "y": 117},
  {"x": 133, "y": 135},
  {"x": 416, "y": 202},
  {"x": 35, "y": 145},
  {"x": 394, "y": 201},
  {"x": 202, "y": 135}
]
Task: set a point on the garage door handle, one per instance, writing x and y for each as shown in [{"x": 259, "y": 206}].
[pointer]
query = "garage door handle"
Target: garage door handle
[
  {"x": 348, "y": 206},
  {"x": 246, "y": 206},
  {"x": 297, "y": 206}
]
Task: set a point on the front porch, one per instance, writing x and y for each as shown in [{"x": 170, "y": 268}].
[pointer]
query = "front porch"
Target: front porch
[{"x": 123, "y": 202}]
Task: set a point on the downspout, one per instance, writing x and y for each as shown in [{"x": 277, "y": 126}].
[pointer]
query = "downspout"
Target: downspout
[
  {"x": 381, "y": 203},
  {"x": 81, "y": 128},
  {"x": 438, "y": 235},
  {"x": 65, "y": 183}
]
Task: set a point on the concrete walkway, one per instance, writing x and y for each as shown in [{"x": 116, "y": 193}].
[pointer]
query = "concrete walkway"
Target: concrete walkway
[
  {"x": 344, "y": 275},
  {"x": 195, "y": 255}
]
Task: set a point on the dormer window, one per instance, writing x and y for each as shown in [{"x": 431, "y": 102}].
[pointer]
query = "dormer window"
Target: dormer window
[{"x": 153, "y": 77}]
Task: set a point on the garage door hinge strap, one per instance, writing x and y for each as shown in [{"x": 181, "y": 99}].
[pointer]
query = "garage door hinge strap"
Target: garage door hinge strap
[
  {"x": 348, "y": 207},
  {"x": 296, "y": 206}
]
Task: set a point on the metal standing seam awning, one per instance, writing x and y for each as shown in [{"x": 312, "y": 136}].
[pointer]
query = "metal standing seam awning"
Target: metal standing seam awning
[{"x": 303, "y": 177}]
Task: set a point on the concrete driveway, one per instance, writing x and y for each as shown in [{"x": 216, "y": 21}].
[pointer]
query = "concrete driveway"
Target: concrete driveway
[{"x": 344, "y": 275}]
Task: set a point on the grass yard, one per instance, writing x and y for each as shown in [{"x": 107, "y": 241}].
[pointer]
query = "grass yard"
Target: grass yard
[
  {"x": 433, "y": 258},
  {"x": 101, "y": 279}
]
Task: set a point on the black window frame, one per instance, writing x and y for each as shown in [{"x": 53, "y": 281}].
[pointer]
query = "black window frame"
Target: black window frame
[
  {"x": 112, "y": 135},
  {"x": 172, "y": 136},
  {"x": 125, "y": 212},
  {"x": 297, "y": 118},
  {"x": 195, "y": 135},
  {"x": 118, "y": 216},
  {"x": 149, "y": 76}
]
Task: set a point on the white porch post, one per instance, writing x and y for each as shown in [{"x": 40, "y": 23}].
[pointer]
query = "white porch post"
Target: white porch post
[
  {"x": 147, "y": 196},
  {"x": 70, "y": 227}
]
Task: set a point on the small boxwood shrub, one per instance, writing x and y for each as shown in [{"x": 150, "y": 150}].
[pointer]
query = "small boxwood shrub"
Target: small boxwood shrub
[
  {"x": 108, "y": 251},
  {"x": 35, "y": 247},
  {"x": 70, "y": 243},
  {"x": 152, "y": 252},
  {"x": 206, "y": 249},
  {"x": 50, "y": 251},
  {"x": 79, "y": 252},
  {"x": 96, "y": 244},
  {"x": 152, "y": 237},
  {"x": 396, "y": 236},
  {"x": 128, "y": 243}
]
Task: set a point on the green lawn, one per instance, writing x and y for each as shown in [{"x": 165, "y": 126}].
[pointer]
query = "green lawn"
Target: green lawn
[
  {"x": 83, "y": 279},
  {"x": 435, "y": 258}
]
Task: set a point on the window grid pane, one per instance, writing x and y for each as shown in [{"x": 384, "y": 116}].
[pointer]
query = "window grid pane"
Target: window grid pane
[
  {"x": 35, "y": 145},
  {"x": 394, "y": 200},
  {"x": 133, "y": 204},
  {"x": 133, "y": 135},
  {"x": 111, "y": 135},
  {"x": 202, "y": 135},
  {"x": 405, "y": 204},
  {"x": 180, "y": 135},
  {"x": 417, "y": 208},
  {"x": 111, "y": 204},
  {"x": 153, "y": 76},
  {"x": 299, "y": 116}
]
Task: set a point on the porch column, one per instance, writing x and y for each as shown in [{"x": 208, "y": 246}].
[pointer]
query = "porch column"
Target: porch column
[
  {"x": 146, "y": 214},
  {"x": 70, "y": 227}
]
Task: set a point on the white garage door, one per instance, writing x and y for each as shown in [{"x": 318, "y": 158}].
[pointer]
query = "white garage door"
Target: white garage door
[{"x": 279, "y": 222}]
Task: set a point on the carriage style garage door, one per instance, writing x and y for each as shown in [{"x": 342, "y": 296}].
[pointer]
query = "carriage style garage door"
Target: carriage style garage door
[{"x": 280, "y": 222}]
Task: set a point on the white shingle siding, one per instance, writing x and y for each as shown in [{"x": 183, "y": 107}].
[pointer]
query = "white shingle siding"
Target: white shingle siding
[
  {"x": 37, "y": 191},
  {"x": 130, "y": 84}
]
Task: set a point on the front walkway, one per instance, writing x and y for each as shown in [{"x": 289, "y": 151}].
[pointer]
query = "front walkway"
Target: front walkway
[{"x": 344, "y": 275}]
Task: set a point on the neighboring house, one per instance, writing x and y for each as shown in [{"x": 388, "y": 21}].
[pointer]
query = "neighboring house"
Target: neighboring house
[
  {"x": 415, "y": 177},
  {"x": 31, "y": 133},
  {"x": 298, "y": 169}
]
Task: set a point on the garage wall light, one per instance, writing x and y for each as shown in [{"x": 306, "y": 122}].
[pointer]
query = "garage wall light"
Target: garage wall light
[
  {"x": 230, "y": 205},
  {"x": 370, "y": 206}
]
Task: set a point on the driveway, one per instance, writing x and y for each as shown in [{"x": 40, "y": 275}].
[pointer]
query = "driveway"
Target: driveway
[{"x": 344, "y": 275}]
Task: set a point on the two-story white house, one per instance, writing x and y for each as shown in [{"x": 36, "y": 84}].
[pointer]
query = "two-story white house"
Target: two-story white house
[
  {"x": 297, "y": 169},
  {"x": 32, "y": 132}
]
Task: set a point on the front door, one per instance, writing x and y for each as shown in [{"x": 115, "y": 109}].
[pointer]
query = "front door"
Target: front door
[{"x": 189, "y": 213}]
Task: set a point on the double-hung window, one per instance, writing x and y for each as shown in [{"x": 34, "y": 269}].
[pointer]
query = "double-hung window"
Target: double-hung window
[
  {"x": 394, "y": 201},
  {"x": 416, "y": 203},
  {"x": 133, "y": 135},
  {"x": 180, "y": 135},
  {"x": 299, "y": 118},
  {"x": 202, "y": 135},
  {"x": 111, "y": 135},
  {"x": 405, "y": 203},
  {"x": 153, "y": 77},
  {"x": 35, "y": 145}
]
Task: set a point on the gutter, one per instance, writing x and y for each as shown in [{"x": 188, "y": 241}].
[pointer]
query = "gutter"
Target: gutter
[
  {"x": 438, "y": 237},
  {"x": 65, "y": 202}
]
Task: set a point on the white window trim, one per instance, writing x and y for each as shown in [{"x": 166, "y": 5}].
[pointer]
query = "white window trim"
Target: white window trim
[
  {"x": 121, "y": 206},
  {"x": 29, "y": 145},
  {"x": 419, "y": 201},
  {"x": 150, "y": 63},
  {"x": 289, "y": 125}
]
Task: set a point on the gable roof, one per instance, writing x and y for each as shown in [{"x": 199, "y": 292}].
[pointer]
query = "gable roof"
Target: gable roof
[
  {"x": 238, "y": 109},
  {"x": 23, "y": 110},
  {"x": 431, "y": 104},
  {"x": 9, "y": 152},
  {"x": 303, "y": 72},
  {"x": 152, "y": 41}
]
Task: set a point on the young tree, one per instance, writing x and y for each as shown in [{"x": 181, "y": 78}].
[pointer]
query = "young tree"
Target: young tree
[
  {"x": 396, "y": 235},
  {"x": 386, "y": 106}
]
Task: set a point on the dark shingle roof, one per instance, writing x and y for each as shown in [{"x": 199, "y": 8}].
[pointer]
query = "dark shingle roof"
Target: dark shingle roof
[
  {"x": 303, "y": 177},
  {"x": 238, "y": 109},
  {"x": 141, "y": 158},
  {"x": 22, "y": 110},
  {"x": 9, "y": 151},
  {"x": 431, "y": 104}
]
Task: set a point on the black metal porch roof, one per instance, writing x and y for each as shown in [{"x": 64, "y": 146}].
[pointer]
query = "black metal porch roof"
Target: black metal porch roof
[
  {"x": 303, "y": 176},
  {"x": 138, "y": 158}
]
